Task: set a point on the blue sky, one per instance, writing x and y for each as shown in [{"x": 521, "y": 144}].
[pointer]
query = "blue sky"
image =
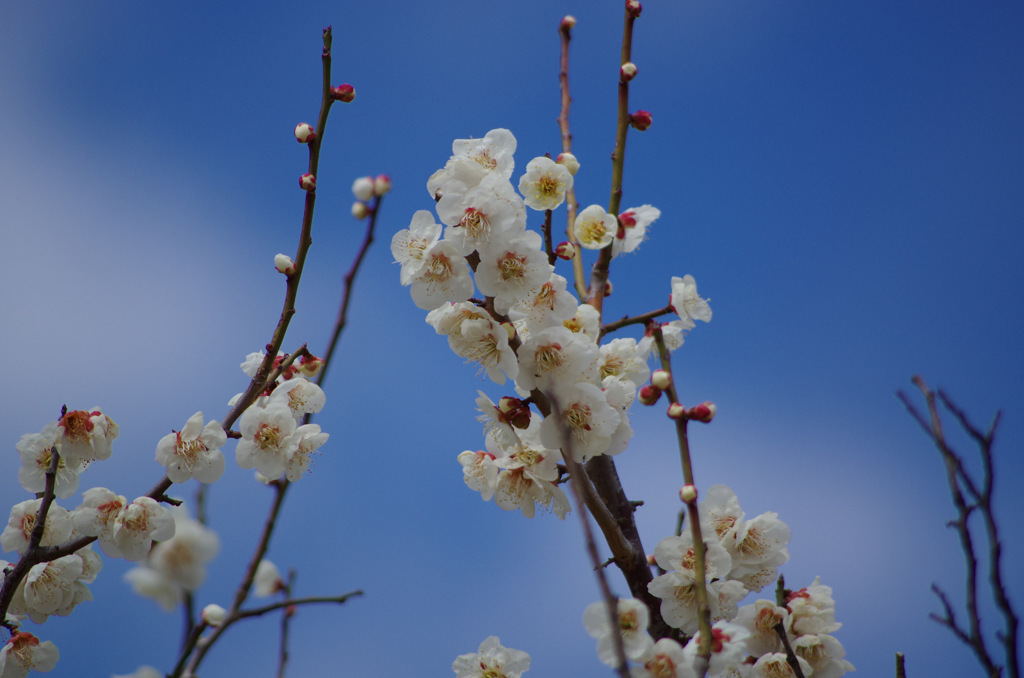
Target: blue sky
[{"x": 842, "y": 179}]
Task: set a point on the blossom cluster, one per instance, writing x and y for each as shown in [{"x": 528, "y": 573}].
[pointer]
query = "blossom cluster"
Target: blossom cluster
[
  {"x": 526, "y": 326},
  {"x": 171, "y": 548}
]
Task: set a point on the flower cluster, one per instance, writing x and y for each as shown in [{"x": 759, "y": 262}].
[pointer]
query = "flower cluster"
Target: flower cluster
[{"x": 527, "y": 327}]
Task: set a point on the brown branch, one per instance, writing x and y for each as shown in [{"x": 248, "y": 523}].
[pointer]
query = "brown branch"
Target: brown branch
[
  {"x": 571, "y": 206},
  {"x": 794, "y": 663},
  {"x": 634, "y": 320}
]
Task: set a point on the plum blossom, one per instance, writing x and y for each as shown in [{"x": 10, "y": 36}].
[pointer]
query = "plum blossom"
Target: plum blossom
[
  {"x": 267, "y": 439},
  {"x": 687, "y": 304},
  {"x": 664, "y": 659},
  {"x": 310, "y": 438},
  {"x": 632, "y": 229},
  {"x": 492, "y": 660},
  {"x": 138, "y": 525},
  {"x": 96, "y": 515},
  {"x": 37, "y": 451},
  {"x": 595, "y": 228},
  {"x": 86, "y": 435},
  {"x": 22, "y": 522},
  {"x": 632, "y": 616},
  {"x": 194, "y": 451},
  {"x": 268, "y": 579},
  {"x": 545, "y": 183},
  {"x": 24, "y": 653},
  {"x": 480, "y": 472},
  {"x": 444, "y": 276},
  {"x": 410, "y": 245}
]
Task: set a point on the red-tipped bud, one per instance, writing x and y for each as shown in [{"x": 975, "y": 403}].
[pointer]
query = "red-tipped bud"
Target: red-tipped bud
[
  {"x": 661, "y": 379},
  {"x": 304, "y": 133},
  {"x": 633, "y": 7},
  {"x": 360, "y": 210},
  {"x": 567, "y": 23},
  {"x": 649, "y": 394},
  {"x": 650, "y": 560},
  {"x": 310, "y": 366},
  {"x": 704, "y": 412},
  {"x": 381, "y": 185},
  {"x": 521, "y": 418},
  {"x": 569, "y": 162},
  {"x": 284, "y": 264},
  {"x": 344, "y": 93},
  {"x": 688, "y": 493},
  {"x": 307, "y": 182},
  {"x": 640, "y": 120},
  {"x": 676, "y": 411},
  {"x": 627, "y": 219},
  {"x": 565, "y": 250},
  {"x": 627, "y": 71},
  {"x": 362, "y": 188},
  {"x": 607, "y": 288},
  {"x": 508, "y": 404}
]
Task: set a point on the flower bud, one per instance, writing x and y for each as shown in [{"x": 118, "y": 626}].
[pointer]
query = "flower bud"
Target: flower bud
[
  {"x": 688, "y": 493},
  {"x": 508, "y": 404},
  {"x": 651, "y": 560},
  {"x": 567, "y": 23},
  {"x": 640, "y": 120},
  {"x": 627, "y": 71},
  {"x": 661, "y": 379},
  {"x": 521, "y": 418},
  {"x": 381, "y": 185},
  {"x": 676, "y": 411},
  {"x": 344, "y": 93},
  {"x": 564, "y": 250},
  {"x": 360, "y": 210},
  {"x": 308, "y": 182},
  {"x": 304, "y": 133},
  {"x": 704, "y": 412},
  {"x": 362, "y": 188},
  {"x": 569, "y": 162},
  {"x": 284, "y": 264},
  {"x": 607, "y": 288},
  {"x": 214, "y": 614},
  {"x": 310, "y": 366},
  {"x": 649, "y": 394},
  {"x": 633, "y": 7}
]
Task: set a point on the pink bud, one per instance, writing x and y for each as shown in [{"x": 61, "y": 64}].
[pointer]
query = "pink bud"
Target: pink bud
[
  {"x": 676, "y": 411},
  {"x": 688, "y": 493},
  {"x": 360, "y": 210},
  {"x": 704, "y": 412},
  {"x": 307, "y": 182},
  {"x": 627, "y": 71},
  {"x": 607, "y": 288},
  {"x": 628, "y": 219},
  {"x": 304, "y": 133},
  {"x": 284, "y": 264},
  {"x": 633, "y": 7},
  {"x": 640, "y": 120},
  {"x": 381, "y": 185},
  {"x": 564, "y": 250},
  {"x": 567, "y": 23},
  {"x": 661, "y": 379},
  {"x": 569, "y": 162},
  {"x": 344, "y": 93},
  {"x": 651, "y": 560},
  {"x": 508, "y": 404},
  {"x": 649, "y": 394}
]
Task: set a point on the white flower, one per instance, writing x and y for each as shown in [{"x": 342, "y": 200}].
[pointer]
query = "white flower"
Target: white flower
[
  {"x": 53, "y": 587},
  {"x": 633, "y": 618},
  {"x": 157, "y": 586},
  {"x": 96, "y": 515},
  {"x": 24, "y": 653},
  {"x": 443, "y": 276},
  {"x": 22, "y": 522},
  {"x": 36, "y": 451},
  {"x": 687, "y": 304},
  {"x": 301, "y": 395},
  {"x": 760, "y": 619},
  {"x": 310, "y": 439},
  {"x": 511, "y": 271},
  {"x": 586, "y": 422},
  {"x": 409, "y": 245},
  {"x": 525, "y": 451},
  {"x": 824, "y": 654},
  {"x": 485, "y": 342},
  {"x": 267, "y": 439},
  {"x": 474, "y": 160},
  {"x": 138, "y": 525},
  {"x": 554, "y": 358},
  {"x": 194, "y": 451},
  {"x": 777, "y": 666},
  {"x": 183, "y": 557},
  {"x": 586, "y": 321},
  {"x": 728, "y": 648},
  {"x": 517, "y": 489},
  {"x": 268, "y": 580},
  {"x": 595, "y": 228},
  {"x": 632, "y": 229},
  {"x": 664, "y": 659},
  {"x": 812, "y": 610},
  {"x": 620, "y": 358},
  {"x": 544, "y": 184},
  {"x": 479, "y": 472},
  {"x": 85, "y": 436},
  {"x": 482, "y": 216},
  {"x": 548, "y": 305},
  {"x": 491, "y": 661}
]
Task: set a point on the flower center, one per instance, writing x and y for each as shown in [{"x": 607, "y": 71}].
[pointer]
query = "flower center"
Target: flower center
[
  {"x": 511, "y": 267},
  {"x": 439, "y": 269},
  {"x": 268, "y": 437},
  {"x": 474, "y": 221}
]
